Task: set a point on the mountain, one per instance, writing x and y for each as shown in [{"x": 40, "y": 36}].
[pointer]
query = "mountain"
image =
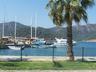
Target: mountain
[
  {"x": 9, "y": 29},
  {"x": 83, "y": 33}
]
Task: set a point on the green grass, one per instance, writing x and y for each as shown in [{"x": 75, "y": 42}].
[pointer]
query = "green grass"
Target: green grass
[{"x": 47, "y": 65}]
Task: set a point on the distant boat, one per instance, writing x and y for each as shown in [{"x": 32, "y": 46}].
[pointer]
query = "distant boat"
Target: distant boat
[
  {"x": 62, "y": 42},
  {"x": 14, "y": 47},
  {"x": 38, "y": 41},
  {"x": 41, "y": 43}
]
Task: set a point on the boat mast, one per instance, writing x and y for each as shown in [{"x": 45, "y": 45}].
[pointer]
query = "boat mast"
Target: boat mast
[
  {"x": 35, "y": 26},
  {"x": 15, "y": 29},
  {"x": 4, "y": 11},
  {"x": 3, "y": 27},
  {"x": 31, "y": 28}
]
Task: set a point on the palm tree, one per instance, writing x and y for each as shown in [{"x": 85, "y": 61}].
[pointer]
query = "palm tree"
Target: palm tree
[{"x": 67, "y": 11}]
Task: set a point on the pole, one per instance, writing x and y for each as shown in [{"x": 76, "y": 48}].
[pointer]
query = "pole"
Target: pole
[
  {"x": 82, "y": 53},
  {"x": 31, "y": 27},
  {"x": 4, "y": 14},
  {"x": 53, "y": 55},
  {"x": 15, "y": 29},
  {"x": 31, "y": 31},
  {"x": 21, "y": 53}
]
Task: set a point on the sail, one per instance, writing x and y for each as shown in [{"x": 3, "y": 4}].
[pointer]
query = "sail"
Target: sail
[{"x": 14, "y": 47}]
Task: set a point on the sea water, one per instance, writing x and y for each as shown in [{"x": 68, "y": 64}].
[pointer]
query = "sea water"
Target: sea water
[{"x": 89, "y": 50}]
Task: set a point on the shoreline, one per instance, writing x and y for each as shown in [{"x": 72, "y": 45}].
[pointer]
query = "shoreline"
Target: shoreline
[
  {"x": 44, "y": 58},
  {"x": 91, "y": 40}
]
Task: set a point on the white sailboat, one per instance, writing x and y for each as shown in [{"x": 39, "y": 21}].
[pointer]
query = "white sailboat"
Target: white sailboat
[
  {"x": 14, "y": 47},
  {"x": 37, "y": 41}
]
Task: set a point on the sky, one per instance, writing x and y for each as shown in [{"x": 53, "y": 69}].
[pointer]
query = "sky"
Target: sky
[{"x": 32, "y": 12}]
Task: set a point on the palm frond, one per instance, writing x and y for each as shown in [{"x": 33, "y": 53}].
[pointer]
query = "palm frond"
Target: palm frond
[{"x": 87, "y": 3}]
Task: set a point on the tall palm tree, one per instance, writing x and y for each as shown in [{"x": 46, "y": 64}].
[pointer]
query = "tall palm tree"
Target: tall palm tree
[{"x": 67, "y": 11}]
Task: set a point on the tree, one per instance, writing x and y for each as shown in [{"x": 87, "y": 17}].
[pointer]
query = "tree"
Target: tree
[{"x": 67, "y": 12}]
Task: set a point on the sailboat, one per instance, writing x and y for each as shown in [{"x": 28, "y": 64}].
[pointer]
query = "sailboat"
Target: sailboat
[
  {"x": 14, "y": 46},
  {"x": 38, "y": 42}
]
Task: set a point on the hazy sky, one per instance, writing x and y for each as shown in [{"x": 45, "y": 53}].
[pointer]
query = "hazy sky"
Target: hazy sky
[{"x": 25, "y": 10}]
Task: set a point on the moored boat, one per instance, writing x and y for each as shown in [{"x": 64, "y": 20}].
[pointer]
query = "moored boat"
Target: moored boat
[{"x": 62, "y": 42}]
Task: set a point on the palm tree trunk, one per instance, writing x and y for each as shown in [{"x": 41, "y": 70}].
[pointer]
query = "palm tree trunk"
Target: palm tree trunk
[{"x": 69, "y": 41}]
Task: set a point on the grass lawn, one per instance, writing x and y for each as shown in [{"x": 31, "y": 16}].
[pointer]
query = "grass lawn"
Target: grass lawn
[{"x": 47, "y": 65}]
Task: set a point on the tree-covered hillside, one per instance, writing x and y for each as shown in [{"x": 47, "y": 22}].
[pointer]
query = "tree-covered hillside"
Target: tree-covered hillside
[{"x": 84, "y": 32}]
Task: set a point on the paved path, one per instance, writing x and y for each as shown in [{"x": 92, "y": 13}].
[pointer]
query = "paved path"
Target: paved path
[
  {"x": 47, "y": 70},
  {"x": 42, "y": 58}
]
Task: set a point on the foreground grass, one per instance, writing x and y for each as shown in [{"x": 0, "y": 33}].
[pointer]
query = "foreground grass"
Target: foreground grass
[{"x": 47, "y": 65}]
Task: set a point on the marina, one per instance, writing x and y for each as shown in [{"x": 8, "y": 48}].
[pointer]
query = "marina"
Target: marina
[
  {"x": 47, "y": 35},
  {"x": 89, "y": 50}
]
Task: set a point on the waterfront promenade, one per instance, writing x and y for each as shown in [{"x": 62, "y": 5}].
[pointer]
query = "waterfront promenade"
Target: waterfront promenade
[{"x": 43, "y": 58}]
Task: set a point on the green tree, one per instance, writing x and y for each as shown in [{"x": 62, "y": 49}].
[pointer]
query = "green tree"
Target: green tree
[{"x": 67, "y": 12}]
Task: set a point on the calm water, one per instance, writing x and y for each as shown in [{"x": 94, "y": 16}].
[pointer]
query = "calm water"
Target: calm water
[{"x": 89, "y": 50}]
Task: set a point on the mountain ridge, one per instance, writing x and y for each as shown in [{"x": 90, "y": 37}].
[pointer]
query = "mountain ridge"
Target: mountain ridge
[{"x": 85, "y": 32}]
